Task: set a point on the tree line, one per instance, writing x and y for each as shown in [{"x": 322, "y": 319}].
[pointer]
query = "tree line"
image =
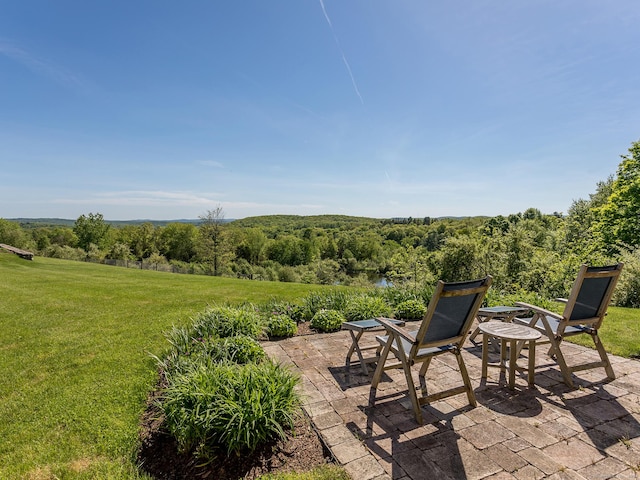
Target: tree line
[{"x": 525, "y": 252}]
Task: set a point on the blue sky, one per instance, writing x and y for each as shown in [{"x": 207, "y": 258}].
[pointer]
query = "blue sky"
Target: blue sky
[{"x": 164, "y": 110}]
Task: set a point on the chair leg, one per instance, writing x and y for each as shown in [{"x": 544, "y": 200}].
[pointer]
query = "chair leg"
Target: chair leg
[
  {"x": 421, "y": 375},
  {"x": 412, "y": 389},
  {"x": 377, "y": 375},
  {"x": 603, "y": 356},
  {"x": 465, "y": 378},
  {"x": 564, "y": 368},
  {"x": 406, "y": 367}
]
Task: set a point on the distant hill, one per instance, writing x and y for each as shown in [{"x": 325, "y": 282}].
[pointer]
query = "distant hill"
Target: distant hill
[
  {"x": 43, "y": 222},
  {"x": 65, "y": 222},
  {"x": 301, "y": 221},
  {"x": 294, "y": 221},
  {"x": 304, "y": 221}
]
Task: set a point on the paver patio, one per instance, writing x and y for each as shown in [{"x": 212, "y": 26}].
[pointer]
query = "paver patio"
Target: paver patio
[{"x": 549, "y": 431}]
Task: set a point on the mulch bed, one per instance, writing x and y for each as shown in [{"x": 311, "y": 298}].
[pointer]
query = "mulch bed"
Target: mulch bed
[{"x": 302, "y": 450}]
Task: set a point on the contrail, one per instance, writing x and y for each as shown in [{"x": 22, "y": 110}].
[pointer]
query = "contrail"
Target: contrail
[
  {"x": 39, "y": 66},
  {"x": 344, "y": 58}
]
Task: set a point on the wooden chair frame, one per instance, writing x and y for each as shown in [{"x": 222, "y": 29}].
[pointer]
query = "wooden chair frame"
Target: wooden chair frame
[
  {"x": 578, "y": 317},
  {"x": 411, "y": 347}
]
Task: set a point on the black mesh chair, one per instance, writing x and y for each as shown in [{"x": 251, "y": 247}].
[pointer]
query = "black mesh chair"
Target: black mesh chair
[
  {"x": 444, "y": 329},
  {"x": 584, "y": 312}
]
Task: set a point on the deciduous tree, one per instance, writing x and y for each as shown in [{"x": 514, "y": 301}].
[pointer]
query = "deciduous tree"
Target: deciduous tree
[
  {"x": 618, "y": 223},
  {"x": 211, "y": 235},
  {"x": 91, "y": 229}
]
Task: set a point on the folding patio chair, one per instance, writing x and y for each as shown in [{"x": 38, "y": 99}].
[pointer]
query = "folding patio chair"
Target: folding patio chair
[
  {"x": 584, "y": 312},
  {"x": 443, "y": 329}
]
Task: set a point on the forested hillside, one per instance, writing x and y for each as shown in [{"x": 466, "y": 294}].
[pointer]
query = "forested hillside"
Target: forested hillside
[{"x": 525, "y": 251}]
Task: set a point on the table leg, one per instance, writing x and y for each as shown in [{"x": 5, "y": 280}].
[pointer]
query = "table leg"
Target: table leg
[
  {"x": 513, "y": 359},
  {"x": 355, "y": 347},
  {"x": 532, "y": 361},
  {"x": 485, "y": 354},
  {"x": 503, "y": 355}
]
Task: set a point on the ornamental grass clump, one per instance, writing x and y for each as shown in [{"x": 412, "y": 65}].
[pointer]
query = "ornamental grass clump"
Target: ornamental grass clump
[
  {"x": 239, "y": 349},
  {"x": 222, "y": 394},
  {"x": 327, "y": 320},
  {"x": 410, "y": 310},
  {"x": 294, "y": 311},
  {"x": 230, "y": 407},
  {"x": 196, "y": 352},
  {"x": 325, "y": 300},
  {"x": 203, "y": 340},
  {"x": 221, "y": 321},
  {"x": 363, "y": 307},
  {"x": 395, "y": 295}
]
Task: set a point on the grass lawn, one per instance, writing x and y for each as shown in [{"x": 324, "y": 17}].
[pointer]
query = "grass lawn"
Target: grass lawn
[
  {"x": 620, "y": 332},
  {"x": 74, "y": 356}
]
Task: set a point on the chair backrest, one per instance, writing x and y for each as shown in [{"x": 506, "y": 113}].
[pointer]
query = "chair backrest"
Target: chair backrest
[
  {"x": 451, "y": 311},
  {"x": 591, "y": 294}
]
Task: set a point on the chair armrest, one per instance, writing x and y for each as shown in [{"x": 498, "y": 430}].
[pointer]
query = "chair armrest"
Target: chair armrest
[
  {"x": 393, "y": 328},
  {"x": 562, "y": 300},
  {"x": 540, "y": 310}
]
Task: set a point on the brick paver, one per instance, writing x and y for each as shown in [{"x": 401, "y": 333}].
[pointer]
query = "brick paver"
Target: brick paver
[{"x": 549, "y": 431}]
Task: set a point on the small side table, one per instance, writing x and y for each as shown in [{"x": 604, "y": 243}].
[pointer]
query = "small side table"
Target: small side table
[
  {"x": 516, "y": 335},
  {"x": 501, "y": 312},
  {"x": 357, "y": 329}
]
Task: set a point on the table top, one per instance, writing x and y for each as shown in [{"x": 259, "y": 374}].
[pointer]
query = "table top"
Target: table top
[
  {"x": 509, "y": 331},
  {"x": 501, "y": 309},
  {"x": 368, "y": 324}
]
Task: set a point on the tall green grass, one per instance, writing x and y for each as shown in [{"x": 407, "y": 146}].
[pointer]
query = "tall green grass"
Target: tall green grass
[{"x": 75, "y": 364}]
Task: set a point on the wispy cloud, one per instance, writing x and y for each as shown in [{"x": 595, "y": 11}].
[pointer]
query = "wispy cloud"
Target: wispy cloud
[
  {"x": 344, "y": 58},
  {"x": 146, "y": 198},
  {"x": 41, "y": 66}
]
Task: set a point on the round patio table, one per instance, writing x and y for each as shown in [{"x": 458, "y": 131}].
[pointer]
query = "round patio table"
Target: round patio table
[
  {"x": 503, "y": 313},
  {"x": 512, "y": 338}
]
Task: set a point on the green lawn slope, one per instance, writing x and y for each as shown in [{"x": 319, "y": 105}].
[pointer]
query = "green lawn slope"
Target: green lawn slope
[
  {"x": 75, "y": 365},
  {"x": 75, "y": 368}
]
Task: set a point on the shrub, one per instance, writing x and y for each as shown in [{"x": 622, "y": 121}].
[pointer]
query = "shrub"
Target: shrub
[
  {"x": 364, "y": 306},
  {"x": 495, "y": 297},
  {"x": 65, "y": 252},
  {"x": 281, "y": 325},
  {"x": 296, "y": 313},
  {"x": 627, "y": 292},
  {"x": 327, "y": 320},
  {"x": 233, "y": 407},
  {"x": 288, "y": 274},
  {"x": 411, "y": 310}
]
